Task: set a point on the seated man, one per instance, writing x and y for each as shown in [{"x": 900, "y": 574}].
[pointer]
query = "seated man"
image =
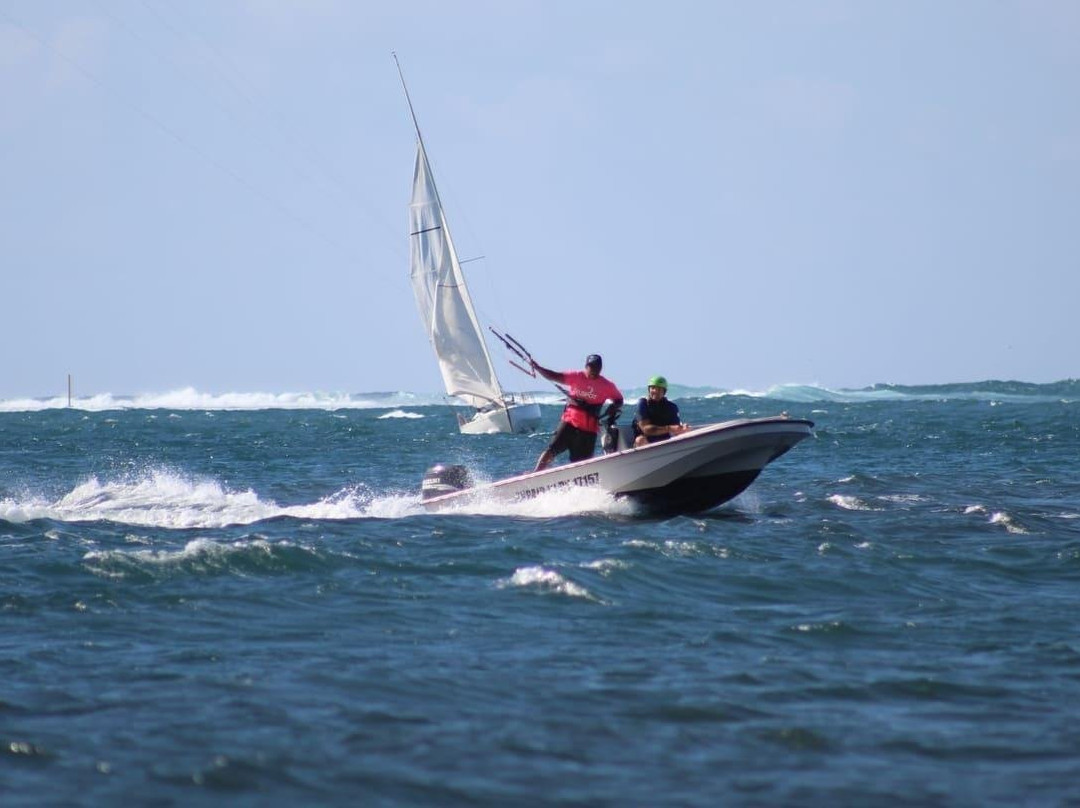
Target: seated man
[{"x": 657, "y": 418}]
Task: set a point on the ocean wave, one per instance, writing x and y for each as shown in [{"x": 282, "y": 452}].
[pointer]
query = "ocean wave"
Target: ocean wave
[
  {"x": 205, "y": 556},
  {"x": 545, "y": 581},
  {"x": 1008, "y": 522},
  {"x": 605, "y": 566},
  {"x": 190, "y": 399},
  {"x": 851, "y": 503},
  {"x": 1066, "y": 391},
  {"x": 400, "y": 414},
  {"x": 996, "y": 518}
]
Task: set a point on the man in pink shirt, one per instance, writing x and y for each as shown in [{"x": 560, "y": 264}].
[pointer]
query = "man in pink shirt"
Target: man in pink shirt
[{"x": 580, "y": 422}]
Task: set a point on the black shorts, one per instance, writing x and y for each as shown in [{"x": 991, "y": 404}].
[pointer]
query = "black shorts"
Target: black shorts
[{"x": 581, "y": 444}]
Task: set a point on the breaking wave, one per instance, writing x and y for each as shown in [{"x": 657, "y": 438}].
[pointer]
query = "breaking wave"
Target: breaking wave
[
  {"x": 188, "y": 398},
  {"x": 544, "y": 581},
  {"x": 1067, "y": 391}
]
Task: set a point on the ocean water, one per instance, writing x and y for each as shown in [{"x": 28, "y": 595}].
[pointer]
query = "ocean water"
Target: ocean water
[{"x": 238, "y": 600}]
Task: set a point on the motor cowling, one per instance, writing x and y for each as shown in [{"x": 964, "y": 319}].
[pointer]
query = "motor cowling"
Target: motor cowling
[
  {"x": 615, "y": 437},
  {"x": 444, "y": 479},
  {"x": 610, "y": 441}
]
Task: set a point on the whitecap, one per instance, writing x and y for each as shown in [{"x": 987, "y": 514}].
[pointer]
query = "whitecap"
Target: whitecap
[
  {"x": 400, "y": 414},
  {"x": 849, "y": 503},
  {"x": 188, "y": 398},
  {"x": 681, "y": 548},
  {"x": 545, "y": 581},
  {"x": 200, "y": 554},
  {"x": 902, "y": 499},
  {"x": 1002, "y": 518},
  {"x": 830, "y": 626},
  {"x": 193, "y": 549},
  {"x": 605, "y": 565}
]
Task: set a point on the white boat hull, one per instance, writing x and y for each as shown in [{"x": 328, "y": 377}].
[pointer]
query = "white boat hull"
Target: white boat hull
[
  {"x": 515, "y": 418},
  {"x": 691, "y": 472}
]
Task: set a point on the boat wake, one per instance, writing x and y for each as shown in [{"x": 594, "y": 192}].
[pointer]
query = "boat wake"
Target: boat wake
[
  {"x": 164, "y": 498},
  {"x": 167, "y": 499},
  {"x": 548, "y": 505}
]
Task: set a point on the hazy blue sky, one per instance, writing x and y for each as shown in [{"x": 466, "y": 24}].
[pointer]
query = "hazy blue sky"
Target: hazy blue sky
[{"x": 214, "y": 193}]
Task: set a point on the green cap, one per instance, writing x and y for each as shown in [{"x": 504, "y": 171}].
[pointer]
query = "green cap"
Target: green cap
[{"x": 658, "y": 381}]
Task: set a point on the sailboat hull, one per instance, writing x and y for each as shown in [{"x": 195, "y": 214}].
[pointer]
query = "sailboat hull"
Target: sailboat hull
[
  {"x": 692, "y": 472},
  {"x": 516, "y": 418}
]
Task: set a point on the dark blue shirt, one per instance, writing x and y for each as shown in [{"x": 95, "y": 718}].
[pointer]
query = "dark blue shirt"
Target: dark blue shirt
[{"x": 657, "y": 413}]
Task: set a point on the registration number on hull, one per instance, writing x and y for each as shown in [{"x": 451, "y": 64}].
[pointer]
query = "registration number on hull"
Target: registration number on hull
[{"x": 590, "y": 479}]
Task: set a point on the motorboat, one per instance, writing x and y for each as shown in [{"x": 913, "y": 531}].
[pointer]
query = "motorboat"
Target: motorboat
[{"x": 688, "y": 473}]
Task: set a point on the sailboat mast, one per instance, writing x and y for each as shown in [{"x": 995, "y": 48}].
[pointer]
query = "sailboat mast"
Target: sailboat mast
[
  {"x": 408, "y": 100},
  {"x": 419, "y": 137}
]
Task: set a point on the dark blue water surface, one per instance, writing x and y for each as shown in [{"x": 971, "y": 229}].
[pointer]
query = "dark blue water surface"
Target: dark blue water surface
[{"x": 250, "y": 607}]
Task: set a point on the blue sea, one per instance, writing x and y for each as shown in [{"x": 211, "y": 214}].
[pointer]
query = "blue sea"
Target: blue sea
[{"x": 237, "y": 599}]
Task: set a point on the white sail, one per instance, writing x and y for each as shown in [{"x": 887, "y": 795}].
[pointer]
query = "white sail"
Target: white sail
[{"x": 446, "y": 309}]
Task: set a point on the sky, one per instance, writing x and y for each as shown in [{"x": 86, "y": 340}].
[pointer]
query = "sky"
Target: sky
[{"x": 213, "y": 194}]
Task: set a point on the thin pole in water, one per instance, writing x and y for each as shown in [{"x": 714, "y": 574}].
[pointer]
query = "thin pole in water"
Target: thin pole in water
[{"x": 69, "y": 389}]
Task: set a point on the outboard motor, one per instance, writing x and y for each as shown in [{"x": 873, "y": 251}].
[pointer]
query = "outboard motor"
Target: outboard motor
[
  {"x": 610, "y": 441},
  {"x": 444, "y": 479},
  {"x": 615, "y": 438}
]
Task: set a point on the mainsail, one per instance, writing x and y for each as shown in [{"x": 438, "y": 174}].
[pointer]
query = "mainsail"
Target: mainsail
[{"x": 446, "y": 308}]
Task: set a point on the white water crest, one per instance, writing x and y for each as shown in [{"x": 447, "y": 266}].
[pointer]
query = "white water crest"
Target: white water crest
[
  {"x": 850, "y": 503},
  {"x": 400, "y": 414},
  {"x": 988, "y": 392},
  {"x": 194, "y": 550},
  {"x": 545, "y": 581},
  {"x": 163, "y": 498},
  {"x": 190, "y": 399},
  {"x": 1008, "y": 522}
]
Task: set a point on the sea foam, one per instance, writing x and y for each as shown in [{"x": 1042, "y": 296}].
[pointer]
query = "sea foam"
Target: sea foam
[{"x": 168, "y": 499}]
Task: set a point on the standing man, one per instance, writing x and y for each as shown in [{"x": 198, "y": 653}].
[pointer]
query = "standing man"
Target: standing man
[
  {"x": 580, "y": 421},
  {"x": 657, "y": 418}
]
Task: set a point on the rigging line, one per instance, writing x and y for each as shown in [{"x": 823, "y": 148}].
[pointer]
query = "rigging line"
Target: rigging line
[
  {"x": 257, "y": 101},
  {"x": 165, "y": 129}
]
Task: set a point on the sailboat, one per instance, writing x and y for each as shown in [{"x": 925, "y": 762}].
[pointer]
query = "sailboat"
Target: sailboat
[{"x": 448, "y": 315}]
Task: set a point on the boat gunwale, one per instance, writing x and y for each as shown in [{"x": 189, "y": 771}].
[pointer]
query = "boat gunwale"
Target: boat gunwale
[{"x": 733, "y": 425}]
